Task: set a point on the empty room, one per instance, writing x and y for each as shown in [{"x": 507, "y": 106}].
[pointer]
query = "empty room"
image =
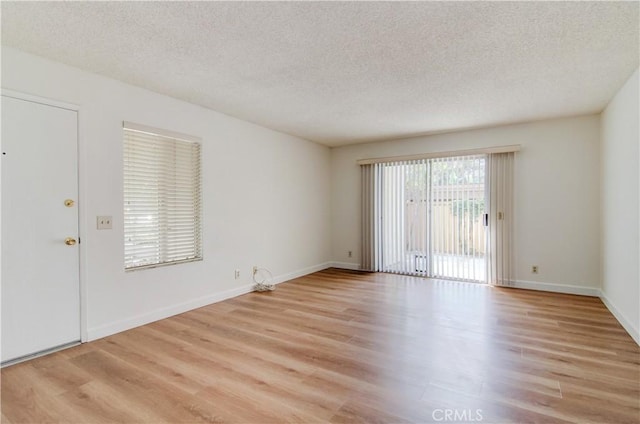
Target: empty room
[{"x": 320, "y": 212}]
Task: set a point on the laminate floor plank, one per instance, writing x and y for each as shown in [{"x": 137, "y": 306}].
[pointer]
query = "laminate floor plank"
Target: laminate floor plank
[{"x": 342, "y": 346}]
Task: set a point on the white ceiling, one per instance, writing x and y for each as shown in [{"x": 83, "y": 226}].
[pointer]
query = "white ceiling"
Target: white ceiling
[{"x": 347, "y": 72}]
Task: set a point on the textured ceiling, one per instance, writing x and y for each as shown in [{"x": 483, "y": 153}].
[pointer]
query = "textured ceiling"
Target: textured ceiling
[{"x": 347, "y": 72}]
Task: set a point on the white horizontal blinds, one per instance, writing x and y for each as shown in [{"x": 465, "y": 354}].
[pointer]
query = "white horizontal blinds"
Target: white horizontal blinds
[
  {"x": 162, "y": 199},
  {"x": 500, "y": 243}
]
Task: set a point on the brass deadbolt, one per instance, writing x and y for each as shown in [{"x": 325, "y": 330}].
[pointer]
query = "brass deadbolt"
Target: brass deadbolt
[{"x": 68, "y": 203}]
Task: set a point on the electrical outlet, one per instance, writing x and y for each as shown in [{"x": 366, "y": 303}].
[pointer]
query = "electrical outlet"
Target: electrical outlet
[
  {"x": 534, "y": 269},
  {"x": 350, "y": 253},
  {"x": 104, "y": 222},
  {"x": 237, "y": 274}
]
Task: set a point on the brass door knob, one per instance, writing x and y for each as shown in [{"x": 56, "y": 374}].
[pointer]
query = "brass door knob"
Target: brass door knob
[{"x": 69, "y": 241}]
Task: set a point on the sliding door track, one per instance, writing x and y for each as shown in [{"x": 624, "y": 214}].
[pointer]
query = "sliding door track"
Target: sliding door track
[{"x": 39, "y": 354}]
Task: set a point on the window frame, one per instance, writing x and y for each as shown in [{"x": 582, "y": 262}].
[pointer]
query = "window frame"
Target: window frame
[{"x": 167, "y": 176}]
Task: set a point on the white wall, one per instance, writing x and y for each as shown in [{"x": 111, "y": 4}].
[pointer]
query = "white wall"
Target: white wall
[
  {"x": 556, "y": 205},
  {"x": 620, "y": 211},
  {"x": 266, "y": 196},
  {"x": 268, "y": 200}
]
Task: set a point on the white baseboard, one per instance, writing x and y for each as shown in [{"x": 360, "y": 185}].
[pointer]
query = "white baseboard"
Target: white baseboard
[
  {"x": 162, "y": 313},
  {"x": 300, "y": 273},
  {"x": 626, "y": 324},
  {"x": 345, "y": 265},
  {"x": 585, "y": 291},
  {"x": 158, "y": 314},
  {"x": 557, "y": 288}
]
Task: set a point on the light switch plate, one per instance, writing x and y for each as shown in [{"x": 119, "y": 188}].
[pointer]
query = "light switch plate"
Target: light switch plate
[{"x": 105, "y": 222}]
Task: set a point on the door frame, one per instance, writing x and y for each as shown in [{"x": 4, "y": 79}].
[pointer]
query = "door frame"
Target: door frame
[{"x": 82, "y": 217}]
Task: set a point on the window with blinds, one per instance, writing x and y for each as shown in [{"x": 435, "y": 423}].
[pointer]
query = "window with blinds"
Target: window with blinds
[
  {"x": 162, "y": 198},
  {"x": 441, "y": 215},
  {"x": 428, "y": 217}
]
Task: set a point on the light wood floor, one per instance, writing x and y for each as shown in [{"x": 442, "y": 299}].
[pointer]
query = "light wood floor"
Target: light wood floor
[{"x": 339, "y": 346}]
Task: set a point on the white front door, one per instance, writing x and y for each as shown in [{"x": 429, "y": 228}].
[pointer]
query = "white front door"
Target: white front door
[{"x": 40, "y": 262}]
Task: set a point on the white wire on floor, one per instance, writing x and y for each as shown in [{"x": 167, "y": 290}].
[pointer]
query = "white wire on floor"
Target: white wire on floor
[{"x": 263, "y": 279}]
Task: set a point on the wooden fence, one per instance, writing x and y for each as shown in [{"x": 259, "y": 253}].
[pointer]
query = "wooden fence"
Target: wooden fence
[{"x": 456, "y": 234}]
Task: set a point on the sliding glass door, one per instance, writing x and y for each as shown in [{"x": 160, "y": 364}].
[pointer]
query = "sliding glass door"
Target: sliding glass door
[{"x": 432, "y": 217}]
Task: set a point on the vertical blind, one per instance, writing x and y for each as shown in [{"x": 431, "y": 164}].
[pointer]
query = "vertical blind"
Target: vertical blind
[
  {"x": 500, "y": 267},
  {"x": 430, "y": 217},
  {"x": 370, "y": 246},
  {"x": 457, "y": 209},
  {"x": 162, "y": 198}
]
